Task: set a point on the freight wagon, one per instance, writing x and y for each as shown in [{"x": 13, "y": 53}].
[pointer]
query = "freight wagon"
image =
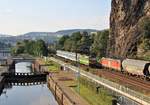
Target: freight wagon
[
  {"x": 111, "y": 63},
  {"x": 136, "y": 67}
]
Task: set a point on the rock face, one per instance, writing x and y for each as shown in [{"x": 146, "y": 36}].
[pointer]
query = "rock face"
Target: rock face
[{"x": 124, "y": 26}]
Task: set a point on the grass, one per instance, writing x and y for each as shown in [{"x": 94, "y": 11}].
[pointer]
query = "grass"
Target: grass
[
  {"x": 52, "y": 66},
  {"x": 89, "y": 94}
]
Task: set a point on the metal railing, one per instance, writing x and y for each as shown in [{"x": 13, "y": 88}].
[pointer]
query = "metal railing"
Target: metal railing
[{"x": 139, "y": 97}]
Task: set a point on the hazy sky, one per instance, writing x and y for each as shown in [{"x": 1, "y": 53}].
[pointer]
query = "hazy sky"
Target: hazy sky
[{"x": 21, "y": 16}]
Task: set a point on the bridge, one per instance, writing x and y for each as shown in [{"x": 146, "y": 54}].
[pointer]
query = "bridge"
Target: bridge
[
  {"x": 11, "y": 61},
  {"x": 117, "y": 88}
]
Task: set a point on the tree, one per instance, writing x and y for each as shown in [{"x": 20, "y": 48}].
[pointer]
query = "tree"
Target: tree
[
  {"x": 99, "y": 45},
  {"x": 85, "y": 43},
  {"x": 72, "y": 43},
  {"x": 62, "y": 41},
  {"x": 40, "y": 48},
  {"x": 68, "y": 45},
  {"x": 36, "y": 48}
]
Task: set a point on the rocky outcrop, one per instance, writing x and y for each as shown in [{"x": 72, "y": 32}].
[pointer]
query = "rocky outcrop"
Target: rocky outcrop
[{"x": 124, "y": 25}]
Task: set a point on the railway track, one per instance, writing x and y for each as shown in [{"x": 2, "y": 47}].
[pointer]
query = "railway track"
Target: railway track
[
  {"x": 133, "y": 78},
  {"x": 125, "y": 80}
]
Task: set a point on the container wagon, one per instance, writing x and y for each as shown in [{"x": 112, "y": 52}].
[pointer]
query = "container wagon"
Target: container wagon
[
  {"x": 137, "y": 67},
  {"x": 111, "y": 63}
]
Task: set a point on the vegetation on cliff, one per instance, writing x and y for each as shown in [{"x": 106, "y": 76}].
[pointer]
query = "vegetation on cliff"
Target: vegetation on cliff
[{"x": 144, "y": 42}]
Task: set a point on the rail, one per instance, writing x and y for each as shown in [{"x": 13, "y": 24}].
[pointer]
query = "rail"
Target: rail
[{"x": 136, "y": 96}]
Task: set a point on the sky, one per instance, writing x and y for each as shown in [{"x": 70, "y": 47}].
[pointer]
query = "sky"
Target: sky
[{"x": 22, "y": 16}]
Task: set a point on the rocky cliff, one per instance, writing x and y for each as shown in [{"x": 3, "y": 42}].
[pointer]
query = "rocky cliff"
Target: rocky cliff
[{"x": 124, "y": 25}]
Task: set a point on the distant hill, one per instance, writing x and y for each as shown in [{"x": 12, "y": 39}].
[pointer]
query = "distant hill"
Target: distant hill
[
  {"x": 48, "y": 37},
  {"x": 4, "y": 35},
  {"x": 69, "y": 32},
  {"x": 58, "y": 33}
]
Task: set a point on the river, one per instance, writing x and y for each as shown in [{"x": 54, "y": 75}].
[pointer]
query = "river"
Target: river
[{"x": 26, "y": 95}]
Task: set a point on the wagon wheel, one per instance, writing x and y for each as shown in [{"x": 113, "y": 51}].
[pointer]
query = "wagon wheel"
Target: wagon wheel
[{"x": 146, "y": 71}]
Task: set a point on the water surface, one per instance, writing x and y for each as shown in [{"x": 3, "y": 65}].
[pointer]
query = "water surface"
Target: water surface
[{"x": 26, "y": 95}]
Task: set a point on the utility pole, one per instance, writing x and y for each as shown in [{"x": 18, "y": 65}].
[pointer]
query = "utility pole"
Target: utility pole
[{"x": 78, "y": 73}]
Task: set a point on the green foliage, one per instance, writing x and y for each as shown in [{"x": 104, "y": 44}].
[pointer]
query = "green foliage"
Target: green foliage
[
  {"x": 62, "y": 41},
  {"x": 72, "y": 44},
  {"x": 145, "y": 25},
  {"x": 85, "y": 43},
  {"x": 145, "y": 39},
  {"x": 77, "y": 42},
  {"x": 36, "y": 48},
  {"x": 68, "y": 45},
  {"x": 95, "y": 44},
  {"x": 144, "y": 42},
  {"x": 99, "y": 45}
]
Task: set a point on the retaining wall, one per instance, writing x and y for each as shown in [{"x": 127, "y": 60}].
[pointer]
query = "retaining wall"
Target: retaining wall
[{"x": 59, "y": 94}]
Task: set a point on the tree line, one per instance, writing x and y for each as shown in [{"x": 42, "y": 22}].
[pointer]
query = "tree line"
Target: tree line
[
  {"x": 84, "y": 43},
  {"x": 36, "y": 48}
]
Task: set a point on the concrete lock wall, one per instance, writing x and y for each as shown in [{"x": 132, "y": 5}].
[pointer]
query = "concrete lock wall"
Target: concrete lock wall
[{"x": 60, "y": 96}]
